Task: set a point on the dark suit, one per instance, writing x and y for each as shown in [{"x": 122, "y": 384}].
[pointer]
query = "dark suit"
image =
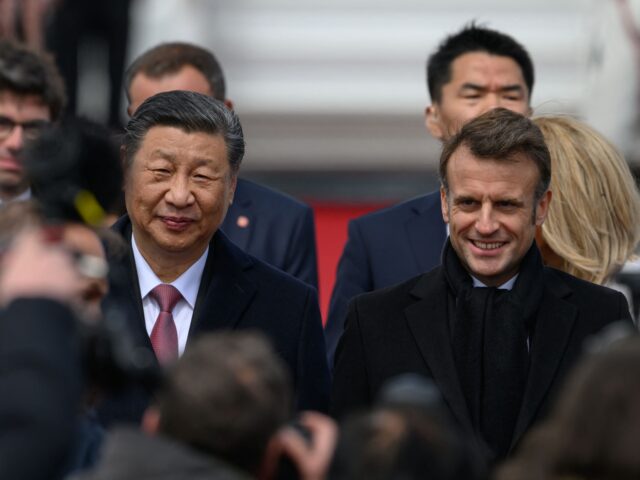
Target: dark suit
[
  {"x": 405, "y": 329},
  {"x": 238, "y": 291},
  {"x": 40, "y": 381},
  {"x": 274, "y": 228},
  {"x": 385, "y": 248}
]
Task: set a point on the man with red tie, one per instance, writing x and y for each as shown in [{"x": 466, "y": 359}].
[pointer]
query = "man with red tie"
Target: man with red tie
[
  {"x": 182, "y": 152},
  {"x": 265, "y": 223}
]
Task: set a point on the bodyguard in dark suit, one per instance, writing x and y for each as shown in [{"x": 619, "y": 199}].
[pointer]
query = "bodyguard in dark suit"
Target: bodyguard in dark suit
[
  {"x": 385, "y": 248},
  {"x": 275, "y": 228},
  {"x": 267, "y": 224},
  {"x": 494, "y": 328},
  {"x": 182, "y": 275},
  {"x": 474, "y": 70}
]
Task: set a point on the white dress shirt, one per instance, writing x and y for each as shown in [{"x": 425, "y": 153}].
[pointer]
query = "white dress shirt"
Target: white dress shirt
[
  {"x": 187, "y": 284},
  {"x": 508, "y": 285}
]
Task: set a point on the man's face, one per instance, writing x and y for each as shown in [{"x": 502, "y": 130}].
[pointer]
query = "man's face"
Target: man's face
[
  {"x": 491, "y": 212},
  {"x": 479, "y": 82},
  {"x": 187, "y": 78},
  {"x": 177, "y": 192},
  {"x": 30, "y": 113}
]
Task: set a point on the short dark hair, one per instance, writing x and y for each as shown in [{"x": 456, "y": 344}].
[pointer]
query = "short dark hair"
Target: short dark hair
[
  {"x": 227, "y": 396},
  {"x": 473, "y": 38},
  {"x": 24, "y": 71},
  {"x": 499, "y": 134},
  {"x": 191, "y": 112},
  {"x": 168, "y": 58}
]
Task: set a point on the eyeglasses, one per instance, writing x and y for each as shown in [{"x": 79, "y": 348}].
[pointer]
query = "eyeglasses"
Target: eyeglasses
[{"x": 30, "y": 129}]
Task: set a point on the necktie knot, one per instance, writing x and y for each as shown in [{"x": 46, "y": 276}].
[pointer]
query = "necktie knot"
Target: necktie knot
[{"x": 167, "y": 296}]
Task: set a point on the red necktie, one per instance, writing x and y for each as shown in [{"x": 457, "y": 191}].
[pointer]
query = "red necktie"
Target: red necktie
[{"x": 164, "y": 336}]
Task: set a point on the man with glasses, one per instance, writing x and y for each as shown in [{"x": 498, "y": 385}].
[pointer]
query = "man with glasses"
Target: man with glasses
[{"x": 31, "y": 97}]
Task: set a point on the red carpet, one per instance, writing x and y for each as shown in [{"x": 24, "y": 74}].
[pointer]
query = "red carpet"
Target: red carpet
[{"x": 331, "y": 235}]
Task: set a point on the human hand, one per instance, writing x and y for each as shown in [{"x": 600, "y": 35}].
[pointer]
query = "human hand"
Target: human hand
[{"x": 311, "y": 457}]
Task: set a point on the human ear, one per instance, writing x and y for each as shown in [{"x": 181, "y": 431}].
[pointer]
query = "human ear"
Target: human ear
[
  {"x": 432, "y": 121},
  {"x": 542, "y": 208},
  {"x": 444, "y": 204}
]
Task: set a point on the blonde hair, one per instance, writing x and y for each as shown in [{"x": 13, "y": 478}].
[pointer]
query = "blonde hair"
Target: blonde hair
[{"x": 593, "y": 223}]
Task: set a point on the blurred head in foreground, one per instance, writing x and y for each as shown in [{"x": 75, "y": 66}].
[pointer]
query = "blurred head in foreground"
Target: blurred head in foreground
[
  {"x": 594, "y": 430},
  {"x": 227, "y": 396},
  {"x": 407, "y": 435}
]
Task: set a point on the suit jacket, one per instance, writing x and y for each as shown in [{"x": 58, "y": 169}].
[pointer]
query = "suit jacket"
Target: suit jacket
[
  {"x": 385, "y": 248},
  {"x": 274, "y": 228},
  {"x": 238, "y": 291},
  {"x": 405, "y": 329}
]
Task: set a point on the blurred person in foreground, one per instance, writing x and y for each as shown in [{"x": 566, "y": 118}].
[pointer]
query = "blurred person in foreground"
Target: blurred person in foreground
[
  {"x": 594, "y": 429},
  {"x": 73, "y": 169},
  {"x": 408, "y": 434},
  {"x": 48, "y": 250},
  {"x": 471, "y": 72},
  {"x": 182, "y": 276},
  {"x": 213, "y": 417},
  {"x": 75, "y": 172},
  {"x": 266, "y": 224},
  {"x": 220, "y": 414},
  {"x": 40, "y": 370},
  {"x": 593, "y": 225},
  {"x": 494, "y": 328},
  {"x": 31, "y": 98}
]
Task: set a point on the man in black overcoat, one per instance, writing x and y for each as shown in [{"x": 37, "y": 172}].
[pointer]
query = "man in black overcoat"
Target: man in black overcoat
[{"x": 495, "y": 329}]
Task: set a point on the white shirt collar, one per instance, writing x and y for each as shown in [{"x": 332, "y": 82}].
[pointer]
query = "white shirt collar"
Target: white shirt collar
[
  {"x": 187, "y": 284},
  {"x": 26, "y": 195},
  {"x": 508, "y": 285}
]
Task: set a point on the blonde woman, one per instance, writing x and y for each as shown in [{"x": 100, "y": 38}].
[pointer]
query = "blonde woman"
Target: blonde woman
[{"x": 593, "y": 224}]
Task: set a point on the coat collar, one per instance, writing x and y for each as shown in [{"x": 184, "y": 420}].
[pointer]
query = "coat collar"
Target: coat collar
[
  {"x": 554, "y": 323},
  {"x": 427, "y": 320},
  {"x": 225, "y": 291}
]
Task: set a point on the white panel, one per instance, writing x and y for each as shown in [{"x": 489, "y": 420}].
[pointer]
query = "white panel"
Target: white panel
[{"x": 340, "y": 84}]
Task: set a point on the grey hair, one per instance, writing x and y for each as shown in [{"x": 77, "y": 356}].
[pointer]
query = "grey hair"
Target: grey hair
[{"x": 191, "y": 112}]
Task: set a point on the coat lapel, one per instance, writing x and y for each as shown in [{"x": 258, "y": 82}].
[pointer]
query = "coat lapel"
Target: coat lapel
[
  {"x": 425, "y": 240},
  {"x": 225, "y": 291},
  {"x": 553, "y": 328},
  {"x": 427, "y": 319}
]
